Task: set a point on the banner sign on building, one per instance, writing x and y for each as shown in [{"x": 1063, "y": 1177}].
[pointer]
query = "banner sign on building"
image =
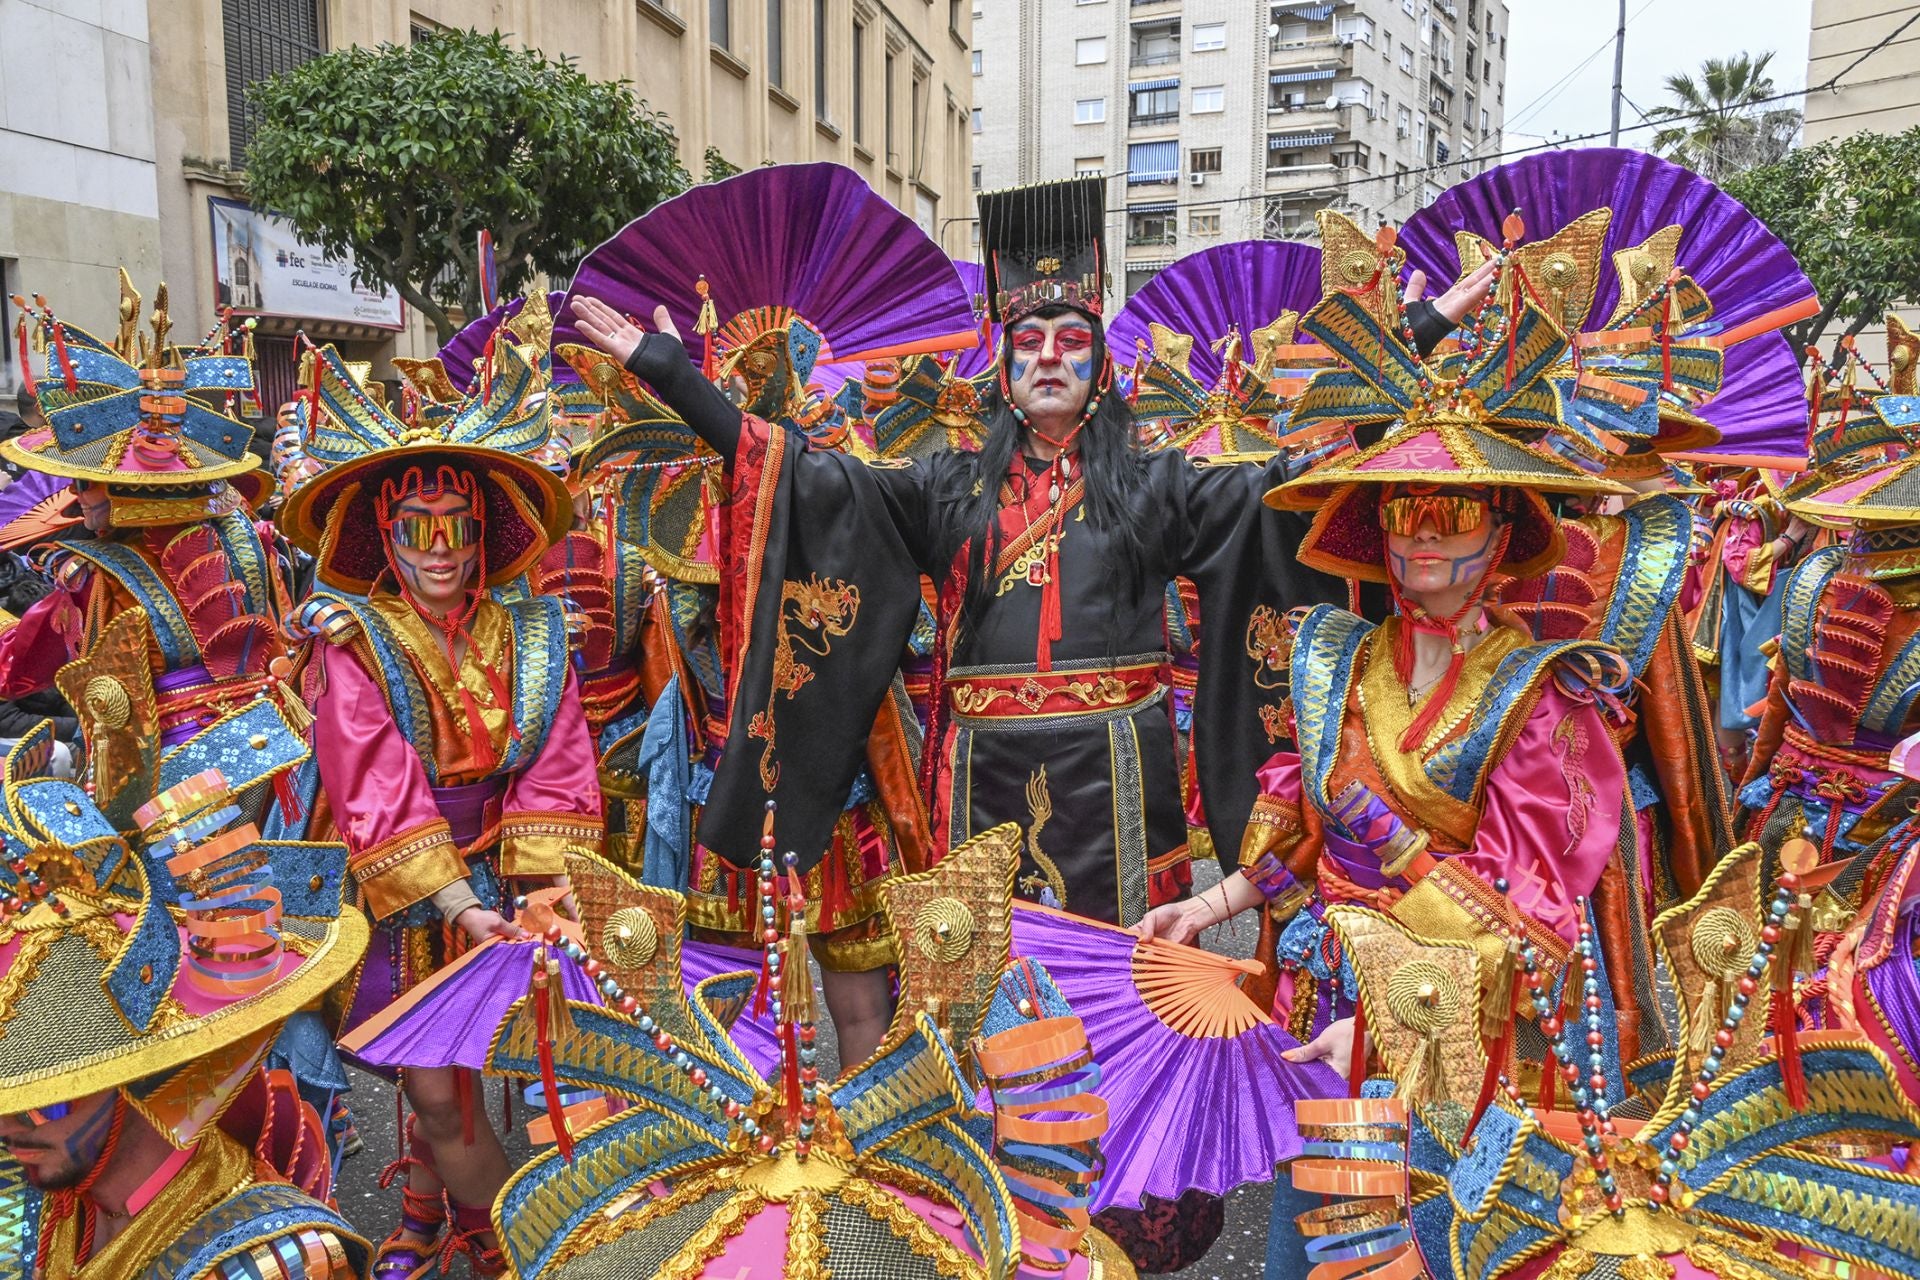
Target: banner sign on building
[{"x": 260, "y": 267}]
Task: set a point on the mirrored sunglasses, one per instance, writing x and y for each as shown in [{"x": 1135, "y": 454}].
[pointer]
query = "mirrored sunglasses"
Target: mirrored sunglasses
[
  {"x": 1450, "y": 514},
  {"x": 418, "y": 533}
]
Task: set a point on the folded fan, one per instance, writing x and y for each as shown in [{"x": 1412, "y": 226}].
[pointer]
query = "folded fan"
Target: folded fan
[
  {"x": 1197, "y": 1092},
  {"x": 450, "y": 1019}
]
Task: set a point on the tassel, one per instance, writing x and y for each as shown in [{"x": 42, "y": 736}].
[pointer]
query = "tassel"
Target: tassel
[
  {"x": 66, "y": 360},
  {"x": 1788, "y": 955},
  {"x": 544, "y": 990},
  {"x": 26, "y": 360},
  {"x": 1666, "y": 335},
  {"x": 706, "y": 324},
  {"x": 463, "y": 1090},
  {"x": 1490, "y": 1081},
  {"x": 484, "y": 753},
  {"x": 732, "y": 877},
  {"x": 289, "y": 798},
  {"x": 790, "y": 1064},
  {"x": 1496, "y": 1027},
  {"x": 1357, "y": 1069}
]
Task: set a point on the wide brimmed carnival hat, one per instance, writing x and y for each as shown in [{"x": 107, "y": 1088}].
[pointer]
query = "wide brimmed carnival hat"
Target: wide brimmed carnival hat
[
  {"x": 663, "y": 480},
  {"x": 1045, "y": 246},
  {"x": 1468, "y": 430},
  {"x": 776, "y": 270},
  {"x": 1876, "y": 481},
  {"x": 1661, "y": 278},
  {"x": 160, "y": 963},
  {"x": 150, "y": 419},
  {"x": 494, "y": 435},
  {"x": 1215, "y": 363}
]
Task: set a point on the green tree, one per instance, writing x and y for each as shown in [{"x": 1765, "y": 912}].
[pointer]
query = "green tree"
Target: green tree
[
  {"x": 1720, "y": 122},
  {"x": 401, "y": 156},
  {"x": 1849, "y": 208},
  {"x": 719, "y": 168}
]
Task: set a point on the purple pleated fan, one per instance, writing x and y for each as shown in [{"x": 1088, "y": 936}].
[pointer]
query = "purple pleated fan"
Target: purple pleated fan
[
  {"x": 1183, "y": 1111},
  {"x": 976, "y": 360},
  {"x": 1246, "y": 284},
  {"x": 753, "y": 1036},
  {"x": 1761, "y": 408},
  {"x": 450, "y": 1019},
  {"x": 813, "y": 237},
  {"x": 1741, "y": 264},
  {"x": 464, "y": 348}
]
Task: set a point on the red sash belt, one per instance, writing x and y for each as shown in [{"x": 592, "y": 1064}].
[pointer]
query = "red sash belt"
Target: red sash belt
[{"x": 1023, "y": 695}]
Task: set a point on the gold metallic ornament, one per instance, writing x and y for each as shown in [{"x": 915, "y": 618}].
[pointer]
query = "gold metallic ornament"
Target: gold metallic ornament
[
  {"x": 943, "y": 930},
  {"x": 630, "y": 937}
]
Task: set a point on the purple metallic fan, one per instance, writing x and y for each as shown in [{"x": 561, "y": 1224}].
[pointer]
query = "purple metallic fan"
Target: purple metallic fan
[
  {"x": 813, "y": 237},
  {"x": 976, "y": 360},
  {"x": 752, "y": 1036},
  {"x": 1246, "y": 285},
  {"x": 450, "y": 1019},
  {"x": 1207, "y": 1109},
  {"x": 1750, "y": 275},
  {"x": 467, "y": 346},
  {"x": 1761, "y": 408}
]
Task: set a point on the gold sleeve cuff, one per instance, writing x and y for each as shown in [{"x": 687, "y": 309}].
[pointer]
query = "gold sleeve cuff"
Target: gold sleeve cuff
[
  {"x": 1274, "y": 826},
  {"x": 536, "y": 844},
  {"x": 1762, "y": 562},
  {"x": 407, "y": 868},
  {"x": 1454, "y": 904}
]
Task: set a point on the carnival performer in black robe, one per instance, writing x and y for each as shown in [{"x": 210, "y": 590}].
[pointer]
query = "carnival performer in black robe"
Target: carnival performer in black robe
[{"x": 1052, "y": 546}]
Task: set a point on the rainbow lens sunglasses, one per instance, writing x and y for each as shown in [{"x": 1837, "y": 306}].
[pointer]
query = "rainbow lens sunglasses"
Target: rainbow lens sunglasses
[
  {"x": 1450, "y": 513},
  {"x": 47, "y": 1114},
  {"x": 418, "y": 533}
]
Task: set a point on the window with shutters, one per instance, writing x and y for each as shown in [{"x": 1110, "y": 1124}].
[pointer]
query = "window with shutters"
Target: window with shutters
[{"x": 263, "y": 38}]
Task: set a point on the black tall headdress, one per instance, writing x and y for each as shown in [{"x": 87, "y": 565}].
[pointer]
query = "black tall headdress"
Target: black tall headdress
[{"x": 1044, "y": 246}]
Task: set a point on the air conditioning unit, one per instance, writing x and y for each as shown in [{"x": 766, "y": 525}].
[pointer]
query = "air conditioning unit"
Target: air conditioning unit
[
  {"x": 1197, "y": 179},
  {"x": 1400, "y": 131}
]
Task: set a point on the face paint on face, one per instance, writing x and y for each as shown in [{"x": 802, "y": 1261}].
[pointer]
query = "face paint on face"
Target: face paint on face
[
  {"x": 1429, "y": 561},
  {"x": 437, "y": 576},
  {"x": 96, "y": 511},
  {"x": 57, "y": 1154},
  {"x": 1050, "y": 365}
]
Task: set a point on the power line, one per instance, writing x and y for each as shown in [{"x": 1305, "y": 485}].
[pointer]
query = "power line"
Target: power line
[
  {"x": 1831, "y": 83},
  {"x": 1553, "y": 144}
]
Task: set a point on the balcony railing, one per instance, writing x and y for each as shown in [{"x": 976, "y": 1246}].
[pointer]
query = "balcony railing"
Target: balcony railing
[
  {"x": 1310, "y": 53},
  {"x": 1161, "y": 117},
  {"x": 1150, "y": 239},
  {"x": 1157, "y": 59}
]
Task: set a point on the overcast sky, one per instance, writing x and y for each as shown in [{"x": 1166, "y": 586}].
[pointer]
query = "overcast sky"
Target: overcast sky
[{"x": 1548, "y": 40}]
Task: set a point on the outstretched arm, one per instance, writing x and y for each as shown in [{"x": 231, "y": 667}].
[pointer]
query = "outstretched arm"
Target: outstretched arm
[
  {"x": 661, "y": 361},
  {"x": 1433, "y": 321}
]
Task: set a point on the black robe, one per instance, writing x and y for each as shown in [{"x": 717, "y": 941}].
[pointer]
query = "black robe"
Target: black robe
[{"x": 824, "y": 561}]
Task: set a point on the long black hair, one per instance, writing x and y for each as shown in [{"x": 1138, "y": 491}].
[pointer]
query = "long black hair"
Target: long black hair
[{"x": 1112, "y": 469}]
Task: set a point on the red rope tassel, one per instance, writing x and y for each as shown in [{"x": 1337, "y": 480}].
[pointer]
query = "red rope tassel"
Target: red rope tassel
[
  {"x": 549, "y": 1084},
  {"x": 1666, "y": 340},
  {"x": 1496, "y": 1063},
  {"x": 1787, "y": 1046},
  {"x": 1357, "y": 1069},
  {"x": 790, "y": 1059},
  {"x": 289, "y": 798},
  {"x": 26, "y": 359},
  {"x": 1550, "y": 1069},
  {"x": 66, "y": 360},
  {"x": 463, "y": 1090}
]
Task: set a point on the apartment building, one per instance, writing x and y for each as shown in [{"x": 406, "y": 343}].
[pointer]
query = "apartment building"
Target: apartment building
[
  {"x": 1880, "y": 91},
  {"x": 1224, "y": 121},
  {"x": 123, "y": 130}
]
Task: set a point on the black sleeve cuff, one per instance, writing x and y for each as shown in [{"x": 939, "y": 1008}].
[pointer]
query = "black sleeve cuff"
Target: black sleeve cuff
[{"x": 1429, "y": 326}]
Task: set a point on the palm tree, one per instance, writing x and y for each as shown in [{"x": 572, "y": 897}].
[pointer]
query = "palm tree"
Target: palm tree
[{"x": 1720, "y": 123}]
